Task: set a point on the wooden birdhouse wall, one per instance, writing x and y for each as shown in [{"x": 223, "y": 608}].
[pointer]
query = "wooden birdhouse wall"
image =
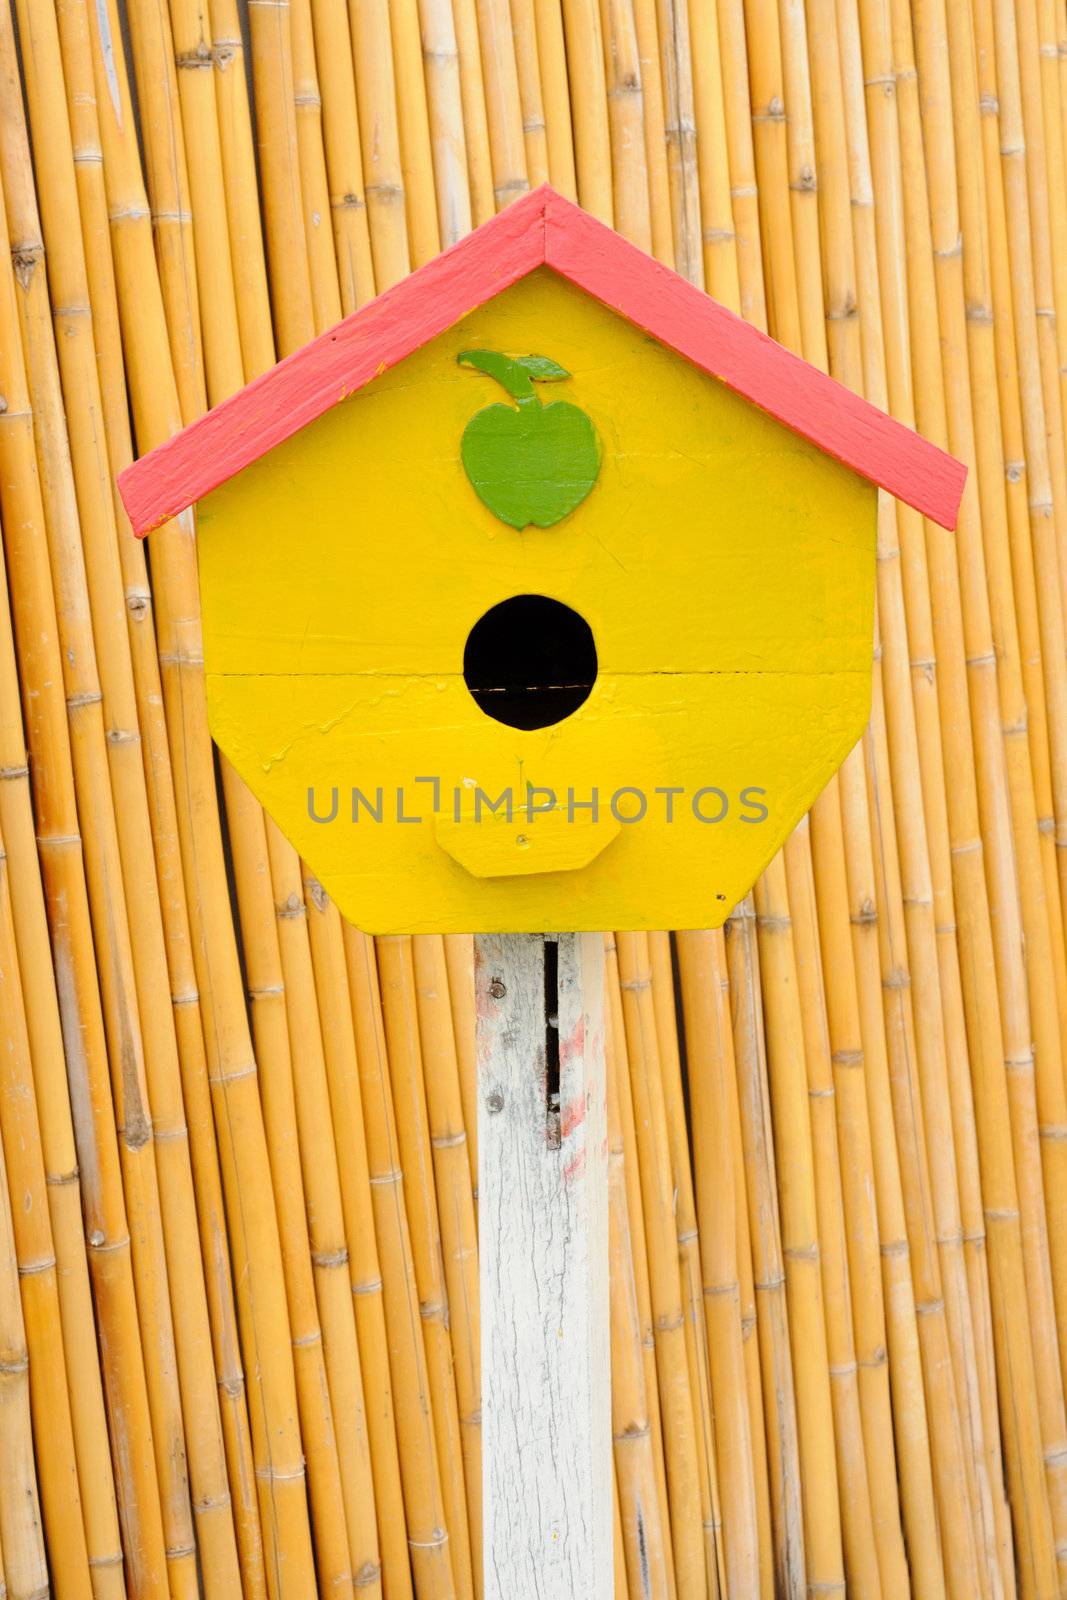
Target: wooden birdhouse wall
[{"x": 724, "y": 565}]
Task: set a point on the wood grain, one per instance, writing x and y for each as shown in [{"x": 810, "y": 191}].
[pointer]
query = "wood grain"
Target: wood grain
[{"x": 546, "y": 1414}]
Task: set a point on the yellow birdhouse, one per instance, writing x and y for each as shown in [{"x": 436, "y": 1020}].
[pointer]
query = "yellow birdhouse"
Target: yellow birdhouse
[{"x": 538, "y": 594}]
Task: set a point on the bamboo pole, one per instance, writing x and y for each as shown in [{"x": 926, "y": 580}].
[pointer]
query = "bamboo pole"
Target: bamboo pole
[
  {"x": 90, "y": 472},
  {"x": 860, "y": 1545},
  {"x": 273, "y": 1034},
  {"x": 776, "y": 1365},
  {"x": 681, "y": 132},
  {"x": 66, "y": 877},
  {"x": 257, "y": 1273},
  {"x": 679, "y": 1426},
  {"x": 645, "y": 1556},
  {"x": 455, "y": 1204},
  {"x": 589, "y": 109},
  {"x": 626, "y": 120},
  {"x": 647, "y": 1038},
  {"x": 245, "y": 228},
  {"x": 659, "y": 197},
  {"x": 500, "y": 76},
  {"x": 475, "y": 114},
  {"x": 1041, "y": 919},
  {"x": 314, "y": 187},
  {"x": 20, "y": 1130},
  {"x": 20, "y": 1513},
  {"x": 196, "y": 1093},
  {"x": 559, "y": 130},
  {"x": 713, "y": 1153},
  {"x": 416, "y": 145},
  {"x": 428, "y": 1532},
  {"x": 662, "y": 980},
  {"x": 52, "y": 512},
  {"x": 844, "y": 351},
  {"x": 404, "y": 1068},
  {"x": 459, "y": 959},
  {"x": 372, "y": 52},
  {"x": 619, "y": 1070},
  {"x": 988, "y": 751},
  {"x": 325, "y": 1236},
  {"x": 800, "y": 1247},
  {"x": 364, "y": 1265}
]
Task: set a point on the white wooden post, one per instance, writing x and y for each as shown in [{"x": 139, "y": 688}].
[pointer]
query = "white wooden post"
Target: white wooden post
[{"x": 543, "y": 1244}]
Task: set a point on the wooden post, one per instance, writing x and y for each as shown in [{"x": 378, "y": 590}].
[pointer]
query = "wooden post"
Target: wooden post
[{"x": 543, "y": 1243}]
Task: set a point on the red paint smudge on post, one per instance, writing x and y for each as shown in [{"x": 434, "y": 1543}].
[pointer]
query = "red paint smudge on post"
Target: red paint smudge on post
[
  {"x": 574, "y": 1044},
  {"x": 573, "y": 1115},
  {"x": 575, "y": 1167}
]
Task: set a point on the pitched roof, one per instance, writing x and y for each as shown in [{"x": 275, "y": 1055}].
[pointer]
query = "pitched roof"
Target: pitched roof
[{"x": 541, "y": 229}]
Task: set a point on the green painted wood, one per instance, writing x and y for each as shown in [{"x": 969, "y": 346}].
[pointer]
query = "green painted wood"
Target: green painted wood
[{"x": 530, "y": 463}]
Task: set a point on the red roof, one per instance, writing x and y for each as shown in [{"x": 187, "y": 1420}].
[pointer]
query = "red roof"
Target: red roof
[{"x": 541, "y": 229}]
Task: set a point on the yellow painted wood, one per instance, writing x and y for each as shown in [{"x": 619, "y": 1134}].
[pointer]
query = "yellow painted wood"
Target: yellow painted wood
[{"x": 725, "y": 566}]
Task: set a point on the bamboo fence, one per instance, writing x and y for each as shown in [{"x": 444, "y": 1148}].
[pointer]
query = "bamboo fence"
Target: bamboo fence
[{"x": 239, "y": 1334}]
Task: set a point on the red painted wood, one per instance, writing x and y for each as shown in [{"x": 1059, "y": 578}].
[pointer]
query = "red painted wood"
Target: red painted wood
[
  {"x": 541, "y": 228},
  {"x": 807, "y": 401},
  {"x": 380, "y": 334}
]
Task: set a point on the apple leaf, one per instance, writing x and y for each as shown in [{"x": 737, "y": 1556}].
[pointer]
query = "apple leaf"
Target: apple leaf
[{"x": 542, "y": 368}]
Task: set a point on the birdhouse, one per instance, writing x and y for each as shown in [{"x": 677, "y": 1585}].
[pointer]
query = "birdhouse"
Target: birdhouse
[{"x": 538, "y": 594}]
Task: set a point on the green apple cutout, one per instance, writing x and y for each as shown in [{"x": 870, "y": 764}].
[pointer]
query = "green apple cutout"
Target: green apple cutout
[{"x": 530, "y": 463}]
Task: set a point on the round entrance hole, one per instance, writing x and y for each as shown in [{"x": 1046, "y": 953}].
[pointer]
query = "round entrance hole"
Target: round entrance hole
[{"x": 530, "y": 661}]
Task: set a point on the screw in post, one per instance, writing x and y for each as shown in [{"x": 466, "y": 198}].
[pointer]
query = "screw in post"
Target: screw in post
[{"x": 497, "y": 990}]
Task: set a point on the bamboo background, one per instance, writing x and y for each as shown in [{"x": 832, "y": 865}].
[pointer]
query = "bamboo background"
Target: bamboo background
[{"x": 238, "y": 1219}]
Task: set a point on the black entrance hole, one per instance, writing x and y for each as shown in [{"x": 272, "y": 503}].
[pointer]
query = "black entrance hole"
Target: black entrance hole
[{"x": 530, "y": 661}]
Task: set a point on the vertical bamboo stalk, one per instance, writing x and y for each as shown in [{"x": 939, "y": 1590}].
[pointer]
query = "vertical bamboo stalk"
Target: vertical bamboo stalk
[
  {"x": 413, "y": 117},
  {"x": 455, "y": 1205},
  {"x": 619, "y": 1070},
  {"x": 475, "y": 113},
  {"x": 589, "y": 108},
  {"x": 406, "y": 1077},
  {"x": 372, "y": 50},
  {"x": 66, "y": 876},
  {"x": 445, "y": 105},
  {"x": 641, "y": 1010},
  {"x": 365, "y": 1275},
  {"x": 428, "y": 1534},
  {"x": 559, "y": 128},
  {"x": 69, "y": 288},
  {"x": 21, "y": 1532},
  {"x": 713, "y": 1155},
  {"x": 325, "y": 1222},
  {"x": 862, "y": 1235},
  {"x": 622, "y": 70},
  {"x": 681, "y": 134},
  {"x": 528, "y": 70},
  {"x": 273, "y": 1034},
  {"x": 645, "y": 1562},
  {"x": 800, "y": 1247},
  {"x": 776, "y": 1365},
  {"x": 344, "y": 162},
  {"x": 459, "y": 958},
  {"x": 253, "y": 1231},
  {"x": 167, "y": 183},
  {"x": 321, "y": 263},
  {"x": 857, "y": 1521},
  {"x": 690, "y": 1559},
  {"x": 656, "y": 163},
  {"x": 278, "y": 151},
  {"x": 20, "y": 1131},
  {"x": 242, "y": 197}
]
